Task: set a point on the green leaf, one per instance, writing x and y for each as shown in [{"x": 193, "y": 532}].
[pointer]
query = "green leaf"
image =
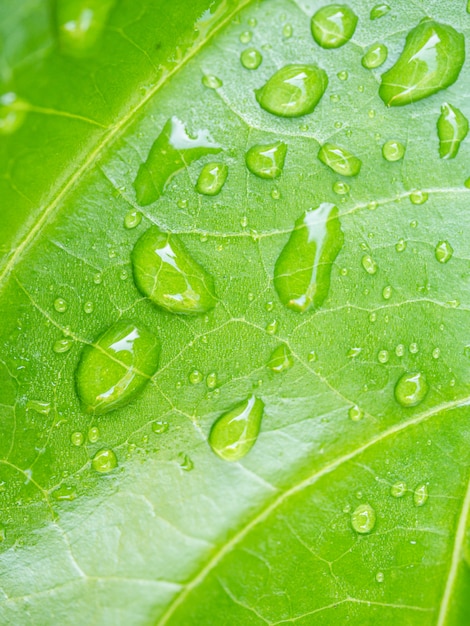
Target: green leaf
[{"x": 352, "y": 503}]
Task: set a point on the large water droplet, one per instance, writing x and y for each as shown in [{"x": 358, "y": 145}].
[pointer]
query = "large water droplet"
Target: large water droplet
[
  {"x": 452, "y": 128},
  {"x": 378, "y": 11},
  {"x": 303, "y": 270},
  {"x": 292, "y": 91},
  {"x": 173, "y": 150},
  {"x": 393, "y": 150},
  {"x": 431, "y": 60},
  {"x": 443, "y": 252},
  {"x": 80, "y": 23},
  {"x": 420, "y": 495},
  {"x": 266, "y": 161},
  {"x": 375, "y": 56},
  {"x": 251, "y": 58},
  {"x": 116, "y": 368},
  {"x": 333, "y": 25},
  {"x": 339, "y": 160},
  {"x": 212, "y": 178},
  {"x": 104, "y": 461},
  {"x": 12, "y": 113},
  {"x": 233, "y": 435},
  {"x": 411, "y": 389},
  {"x": 281, "y": 359},
  {"x": 363, "y": 519},
  {"x": 165, "y": 272}
]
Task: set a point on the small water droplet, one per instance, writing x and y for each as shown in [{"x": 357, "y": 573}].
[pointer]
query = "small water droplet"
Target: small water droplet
[
  {"x": 12, "y": 113},
  {"x": 281, "y": 359},
  {"x": 159, "y": 427},
  {"x": 246, "y": 36},
  {"x": 64, "y": 493},
  {"x": 411, "y": 389},
  {"x": 132, "y": 219},
  {"x": 343, "y": 75},
  {"x": 393, "y": 150},
  {"x": 387, "y": 292},
  {"x": 354, "y": 352},
  {"x": 93, "y": 434},
  {"x": 355, "y": 413},
  {"x": 436, "y": 353},
  {"x": 39, "y": 406},
  {"x": 341, "y": 188},
  {"x": 378, "y": 11},
  {"x": 62, "y": 345},
  {"x": 333, "y": 25},
  {"x": 211, "y": 380},
  {"x": 79, "y": 25},
  {"x": 400, "y": 350},
  {"x": 383, "y": 356},
  {"x": 312, "y": 356},
  {"x": 400, "y": 246},
  {"x": 379, "y": 577},
  {"x": 414, "y": 348},
  {"x": 443, "y": 252},
  {"x": 211, "y": 82},
  {"x": 104, "y": 461},
  {"x": 60, "y": 305},
  {"x": 418, "y": 197},
  {"x": 369, "y": 264},
  {"x": 212, "y": 178},
  {"x": 266, "y": 161},
  {"x": 88, "y": 307},
  {"x": 271, "y": 327},
  {"x": 375, "y": 56},
  {"x": 363, "y": 519},
  {"x": 195, "y": 377},
  {"x": 185, "y": 463},
  {"x": 339, "y": 160},
  {"x": 398, "y": 489},
  {"x": 234, "y": 433},
  {"x": 251, "y": 58},
  {"x": 97, "y": 278},
  {"x": 452, "y": 128},
  {"x": 420, "y": 495},
  {"x": 77, "y": 438}
]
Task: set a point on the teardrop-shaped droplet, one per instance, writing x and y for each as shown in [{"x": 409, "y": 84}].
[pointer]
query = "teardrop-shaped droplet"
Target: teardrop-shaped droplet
[
  {"x": 420, "y": 495},
  {"x": 292, "y": 91},
  {"x": 165, "y": 272},
  {"x": 375, "y": 56},
  {"x": 393, "y": 150},
  {"x": 281, "y": 359},
  {"x": 266, "y": 161},
  {"x": 411, "y": 389},
  {"x": 431, "y": 60},
  {"x": 173, "y": 150},
  {"x": 251, "y": 58},
  {"x": 233, "y": 435},
  {"x": 303, "y": 270},
  {"x": 378, "y": 11},
  {"x": 452, "y": 128},
  {"x": 80, "y": 24},
  {"x": 339, "y": 160},
  {"x": 212, "y": 178},
  {"x": 104, "y": 461},
  {"x": 116, "y": 368},
  {"x": 12, "y": 113},
  {"x": 132, "y": 219},
  {"x": 363, "y": 519},
  {"x": 443, "y": 252},
  {"x": 333, "y": 25}
]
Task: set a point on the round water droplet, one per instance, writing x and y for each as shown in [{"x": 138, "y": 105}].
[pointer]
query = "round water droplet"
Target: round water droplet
[
  {"x": 375, "y": 56},
  {"x": 93, "y": 434},
  {"x": 266, "y": 161},
  {"x": 339, "y": 160},
  {"x": 443, "y": 252},
  {"x": 211, "y": 82},
  {"x": 88, "y": 307},
  {"x": 159, "y": 427},
  {"x": 369, "y": 264},
  {"x": 393, "y": 150},
  {"x": 452, "y": 128},
  {"x": 343, "y": 75},
  {"x": 411, "y": 389},
  {"x": 363, "y": 519},
  {"x": 379, "y": 577},
  {"x": 251, "y": 58},
  {"x": 246, "y": 36},
  {"x": 341, "y": 188},
  {"x": 420, "y": 495},
  {"x": 12, "y": 113},
  {"x": 333, "y": 25},
  {"x": 292, "y": 91},
  {"x": 400, "y": 246},
  {"x": 414, "y": 348},
  {"x": 104, "y": 461},
  {"x": 77, "y": 438},
  {"x": 97, "y": 278},
  {"x": 132, "y": 219},
  {"x": 195, "y": 377},
  {"x": 378, "y": 11},
  {"x": 418, "y": 197},
  {"x": 398, "y": 489},
  {"x": 383, "y": 356},
  {"x": 281, "y": 359},
  {"x": 212, "y": 178},
  {"x": 62, "y": 345},
  {"x": 234, "y": 433},
  {"x": 355, "y": 413},
  {"x": 60, "y": 305}
]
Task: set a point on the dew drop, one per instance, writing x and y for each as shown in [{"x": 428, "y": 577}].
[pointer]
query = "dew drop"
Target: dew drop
[
  {"x": 312, "y": 356},
  {"x": 431, "y": 60},
  {"x": 363, "y": 519},
  {"x": 246, "y": 36},
  {"x": 378, "y": 11},
  {"x": 266, "y": 161},
  {"x": 443, "y": 252},
  {"x": 292, "y": 91},
  {"x": 281, "y": 359},
  {"x": 88, "y": 307},
  {"x": 39, "y": 406},
  {"x": 369, "y": 264},
  {"x": 77, "y": 439},
  {"x": 333, "y": 25},
  {"x": 97, "y": 278},
  {"x": 212, "y": 178},
  {"x": 341, "y": 188},
  {"x": 343, "y": 75},
  {"x": 411, "y": 389},
  {"x": 159, "y": 427},
  {"x": 287, "y": 31},
  {"x": 302, "y": 272},
  {"x": 420, "y": 495},
  {"x": 375, "y": 56},
  {"x": 418, "y": 197},
  {"x": 104, "y": 461},
  {"x": 60, "y": 305},
  {"x": 234, "y": 433},
  {"x": 64, "y": 493},
  {"x": 452, "y": 128},
  {"x": 414, "y": 348},
  {"x": 400, "y": 246},
  {"x": 355, "y": 413},
  {"x": 400, "y": 349},
  {"x": 211, "y": 380},
  {"x": 93, "y": 434},
  {"x": 379, "y": 577},
  {"x": 398, "y": 489},
  {"x": 393, "y": 150},
  {"x": 436, "y": 353},
  {"x": 12, "y": 113},
  {"x": 195, "y": 377},
  {"x": 383, "y": 356},
  {"x": 211, "y": 82},
  {"x": 387, "y": 292},
  {"x": 251, "y": 58},
  {"x": 132, "y": 219},
  {"x": 80, "y": 24},
  {"x": 271, "y": 327},
  {"x": 339, "y": 160},
  {"x": 62, "y": 345}
]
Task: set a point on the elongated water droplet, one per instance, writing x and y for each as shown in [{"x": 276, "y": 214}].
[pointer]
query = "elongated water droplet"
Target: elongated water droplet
[
  {"x": 266, "y": 161},
  {"x": 93, "y": 434},
  {"x": 173, "y": 150},
  {"x": 339, "y": 160},
  {"x": 443, "y": 252},
  {"x": 302, "y": 272},
  {"x": 211, "y": 380},
  {"x": 165, "y": 272},
  {"x": 292, "y": 91},
  {"x": 418, "y": 197},
  {"x": 212, "y": 178},
  {"x": 431, "y": 60},
  {"x": 80, "y": 24},
  {"x": 39, "y": 406},
  {"x": 369, "y": 264},
  {"x": 64, "y": 493},
  {"x": 116, "y": 367},
  {"x": 63, "y": 345},
  {"x": 378, "y": 11},
  {"x": 393, "y": 150},
  {"x": 132, "y": 219},
  {"x": 387, "y": 292},
  {"x": 104, "y": 461},
  {"x": 77, "y": 439},
  {"x": 452, "y": 128},
  {"x": 159, "y": 427},
  {"x": 211, "y": 82},
  {"x": 398, "y": 489},
  {"x": 363, "y": 519},
  {"x": 281, "y": 359},
  {"x": 287, "y": 31},
  {"x": 251, "y": 58},
  {"x": 420, "y": 495},
  {"x": 12, "y": 113},
  {"x": 333, "y": 25},
  {"x": 375, "y": 56},
  {"x": 411, "y": 389},
  {"x": 233, "y": 435}
]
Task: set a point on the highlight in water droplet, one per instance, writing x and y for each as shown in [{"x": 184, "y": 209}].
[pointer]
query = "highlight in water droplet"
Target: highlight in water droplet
[
  {"x": 234, "y": 433},
  {"x": 333, "y": 25}
]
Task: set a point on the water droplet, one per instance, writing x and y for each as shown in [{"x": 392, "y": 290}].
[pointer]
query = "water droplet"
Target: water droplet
[
  {"x": 281, "y": 359},
  {"x": 414, "y": 348},
  {"x": 287, "y": 31},
  {"x": 312, "y": 356},
  {"x": 375, "y": 56},
  {"x": 97, "y": 278},
  {"x": 88, "y": 307},
  {"x": 211, "y": 82},
  {"x": 398, "y": 489},
  {"x": 436, "y": 353},
  {"x": 292, "y": 91},
  {"x": 159, "y": 427},
  {"x": 246, "y": 36},
  {"x": 116, "y": 367},
  {"x": 383, "y": 356},
  {"x": 400, "y": 246},
  {"x": 93, "y": 434},
  {"x": 64, "y": 493},
  {"x": 60, "y": 305},
  {"x": 302, "y": 272},
  {"x": 354, "y": 352},
  {"x": 79, "y": 25},
  {"x": 452, "y": 128},
  {"x": 195, "y": 377},
  {"x": 418, "y": 197},
  {"x": 443, "y": 252},
  {"x": 431, "y": 60},
  {"x": 341, "y": 188},
  {"x": 355, "y": 413},
  {"x": 271, "y": 327},
  {"x": 333, "y": 25},
  {"x": 400, "y": 350},
  {"x": 266, "y": 161},
  {"x": 393, "y": 150},
  {"x": 343, "y": 75},
  {"x": 234, "y": 433},
  {"x": 62, "y": 345},
  {"x": 211, "y": 380},
  {"x": 104, "y": 461},
  {"x": 379, "y": 577},
  {"x": 172, "y": 151},
  {"x": 411, "y": 389},
  {"x": 387, "y": 292},
  {"x": 77, "y": 439},
  {"x": 39, "y": 406},
  {"x": 251, "y": 58},
  {"x": 420, "y": 495},
  {"x": 212, "y": 178},
  {"x": 378, "y": 11},
  {"x": 339, "y": 160},
  {"x": 369, "y": 264},
  {"x": 132, "y": 219},
  {"x": 12, "y": 113},
  {"x": 166, "y": 273},
  {"x": 363, "y": 519}
]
